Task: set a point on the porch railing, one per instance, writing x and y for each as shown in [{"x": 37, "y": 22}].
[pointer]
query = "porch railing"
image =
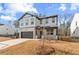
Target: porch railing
[{"x": 50, "y": 36}]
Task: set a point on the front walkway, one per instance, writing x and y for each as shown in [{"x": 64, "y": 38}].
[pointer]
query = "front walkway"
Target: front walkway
[{"x": 13, "y": 42}]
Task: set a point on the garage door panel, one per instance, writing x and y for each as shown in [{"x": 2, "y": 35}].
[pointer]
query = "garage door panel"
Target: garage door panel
[{"x": 27, "y": 34}]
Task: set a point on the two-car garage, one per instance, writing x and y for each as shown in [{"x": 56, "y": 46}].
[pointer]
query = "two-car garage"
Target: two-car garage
[{"x": 27, "y": 34}]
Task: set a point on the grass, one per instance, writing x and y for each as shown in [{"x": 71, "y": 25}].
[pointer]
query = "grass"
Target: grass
[
  {"x": 4, "y": 39},
  {"x": 35, "y": 47},
  {"x": 23, "y": 48}
]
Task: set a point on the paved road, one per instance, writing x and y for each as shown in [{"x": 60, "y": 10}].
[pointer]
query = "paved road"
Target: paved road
[{"x": 9, "y": 43}]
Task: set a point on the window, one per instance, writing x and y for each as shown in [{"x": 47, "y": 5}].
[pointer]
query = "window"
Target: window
[
  {"x": 40, "y": 21},
  {"x": 50, "y": 31},
  {"x": 53, "y": 20},
  {"x": 6, "y": 28},
  {"x": 46, "y": 21},
  {"x": 26, "y": 23},
  {"x": 21, "y": 24},
  {"x": 74, "y": 32},
  {"x": 76, "y": 23},
  {"x": 32, "y": 21}
]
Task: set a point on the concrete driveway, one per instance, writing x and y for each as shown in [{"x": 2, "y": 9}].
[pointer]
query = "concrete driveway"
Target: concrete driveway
[{"x": 13, "y": 42}]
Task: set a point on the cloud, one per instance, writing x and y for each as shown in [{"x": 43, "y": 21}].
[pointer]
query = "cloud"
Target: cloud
[
  {"x": 7, "y": 17},
  {"x": 62, "y": 7},
  {"x": 22, "y": 7},
  {"x": 74, "y": 6},
  {"x": 1, "y": 9},
  {"x": 9, "y": 10}
]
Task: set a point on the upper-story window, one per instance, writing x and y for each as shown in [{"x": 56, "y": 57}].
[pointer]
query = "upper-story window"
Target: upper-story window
[
  {"x": 21, "y": 24},
  {"x": 76, "y": 23},
  {"x": 32, "y": 21},
  {"x": 46, "y": 21},
  {"x": 40, "y": 21},
  {"x": 26, "y": 23},
  {"x": 53, "y": 20}
]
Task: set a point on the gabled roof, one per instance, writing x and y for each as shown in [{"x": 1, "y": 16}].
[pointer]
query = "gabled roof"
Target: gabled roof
[
  {"x": 39, "y": 18},
  {"x": 49, "y": 17},
  {"x": 28, "y": 14},
  {"x": 70, "y": 20}
]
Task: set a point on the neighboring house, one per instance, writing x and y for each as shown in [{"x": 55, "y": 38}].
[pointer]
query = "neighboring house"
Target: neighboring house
[
  {"x": 73, "y": 26},
  {"x": 6, "y": 30},
  {"x": 33, "y": 26}
]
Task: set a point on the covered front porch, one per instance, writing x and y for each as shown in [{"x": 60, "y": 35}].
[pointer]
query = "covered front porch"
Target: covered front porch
[{"x": 47, "y": 32}]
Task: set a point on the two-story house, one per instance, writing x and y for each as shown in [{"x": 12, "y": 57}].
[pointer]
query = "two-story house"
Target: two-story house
[
  {"x": 27, "y": 26},
  {"x": 32, "y": 26}
]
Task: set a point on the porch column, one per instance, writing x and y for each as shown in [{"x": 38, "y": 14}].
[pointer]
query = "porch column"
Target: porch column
[
  {"x": 57, "y": 33},
  {"x": 33, "y": 34},
  {"x": 44, "y": 33},
  {"x": 54, "y": 31},
  {"x": 19, "y": 34},
  {"x": 36, "y": 36}
]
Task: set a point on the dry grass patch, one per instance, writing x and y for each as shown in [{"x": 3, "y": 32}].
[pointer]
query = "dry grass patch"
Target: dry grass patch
[
  {"x": 24, "y": 48},
  {"x": 66, "y": 47},
  {"x": 34, "y": 47},
  {"x": 46, "y": 50},
  {"x": 4, "y": 38},
  {"x": 31, "y": 47}
]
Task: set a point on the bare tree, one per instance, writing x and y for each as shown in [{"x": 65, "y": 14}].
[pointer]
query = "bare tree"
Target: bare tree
[{"x": 16, "y": 24}]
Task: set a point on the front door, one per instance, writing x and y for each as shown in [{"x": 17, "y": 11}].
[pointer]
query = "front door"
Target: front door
[{"x": 40, "y": 34}]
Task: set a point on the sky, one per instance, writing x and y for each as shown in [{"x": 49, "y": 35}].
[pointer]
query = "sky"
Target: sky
[{"x": 13, "y": 11}]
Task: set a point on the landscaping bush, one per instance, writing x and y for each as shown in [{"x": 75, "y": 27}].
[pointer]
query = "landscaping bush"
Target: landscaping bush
[{"x": 44, "y": 50}]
